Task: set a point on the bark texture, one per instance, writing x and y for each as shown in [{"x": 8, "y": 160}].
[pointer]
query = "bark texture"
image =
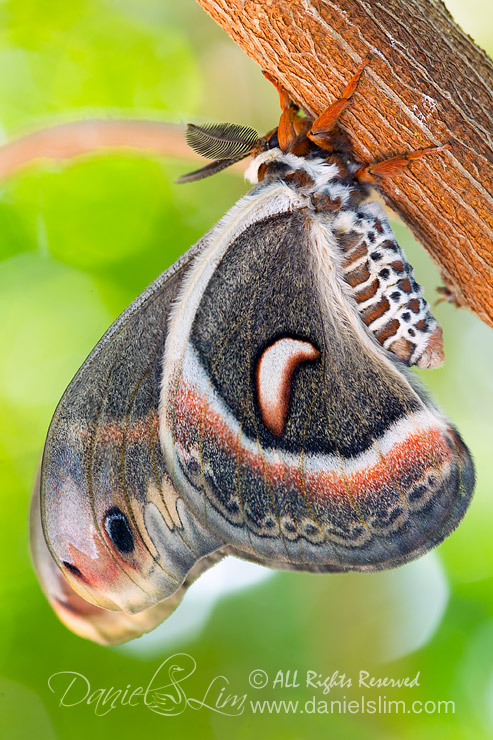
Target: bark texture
[{"x": 427, "y": 84}]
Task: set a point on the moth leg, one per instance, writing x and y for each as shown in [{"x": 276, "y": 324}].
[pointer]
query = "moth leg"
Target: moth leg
[
  {"x": 394, "y": 165},
  {"x": 322, "y": 126},
  {"x": 284, "y": 99},
  {"x": 287, "y": 132},
  {"x": 447, "y": 295}
]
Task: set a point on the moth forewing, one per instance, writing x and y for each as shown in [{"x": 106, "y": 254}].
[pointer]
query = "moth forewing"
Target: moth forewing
[
  {"x": 111, "y": 517},
  {"x": 86, "y": 619}
]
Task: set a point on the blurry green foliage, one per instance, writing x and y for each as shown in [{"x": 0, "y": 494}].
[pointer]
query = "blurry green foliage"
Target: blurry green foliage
[{"x": 78, "y": 242}]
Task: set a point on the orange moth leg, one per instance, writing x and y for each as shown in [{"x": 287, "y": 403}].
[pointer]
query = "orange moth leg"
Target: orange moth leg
[
  {"x": 321, "y": 127},
  {"x": 394, "y": 165}
]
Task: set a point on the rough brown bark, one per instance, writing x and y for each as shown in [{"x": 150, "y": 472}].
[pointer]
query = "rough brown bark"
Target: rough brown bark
[{"x": 427, "y": 84}]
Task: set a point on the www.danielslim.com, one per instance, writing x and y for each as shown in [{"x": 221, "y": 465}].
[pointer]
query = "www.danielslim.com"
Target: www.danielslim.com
[
  {"x": 381, "y": 705},
  {"x": 170, "y": 692}
]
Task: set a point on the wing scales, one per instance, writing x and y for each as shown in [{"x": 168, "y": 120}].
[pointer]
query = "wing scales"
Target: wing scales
[
  {"x": 349, "y": 489},
  {"x": 103, "y": 452},
  {"x": 363, "y": 473}
]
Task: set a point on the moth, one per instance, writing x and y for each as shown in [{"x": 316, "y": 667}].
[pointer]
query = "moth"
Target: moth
[{"x": 256, "y": 399}]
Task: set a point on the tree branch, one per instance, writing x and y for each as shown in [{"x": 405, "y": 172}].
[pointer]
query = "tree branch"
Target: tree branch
[
  {"x": 427, "y": 84},
  {"x": 68, "y": 140}
]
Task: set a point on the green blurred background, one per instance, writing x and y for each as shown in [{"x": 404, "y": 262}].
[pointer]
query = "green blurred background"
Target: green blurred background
[{"x": 78, "y": 242}]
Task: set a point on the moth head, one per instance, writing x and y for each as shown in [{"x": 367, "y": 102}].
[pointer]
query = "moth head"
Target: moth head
[{"x": 228, "y": 143}]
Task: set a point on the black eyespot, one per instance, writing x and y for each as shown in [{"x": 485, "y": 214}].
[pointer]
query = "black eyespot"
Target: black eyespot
[
  {"x": 119, "y": 530},
  {"x": 384, "y": 273},
  {"x": 395, "y": 295},
  {"x": 406, "y": 316},
  {"x": 72, "y": 569},
  {"x": 273, "y": 142},
  {"x": 411, "y": 332},
  {"x": 371, "y": 237},
  {"x": 376, "y": 256},
  {"x": 360, "y": 215}
]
